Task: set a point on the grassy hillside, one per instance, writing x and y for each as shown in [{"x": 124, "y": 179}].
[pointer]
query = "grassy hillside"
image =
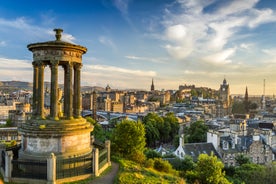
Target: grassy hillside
[{"x": 132, "y": 173}]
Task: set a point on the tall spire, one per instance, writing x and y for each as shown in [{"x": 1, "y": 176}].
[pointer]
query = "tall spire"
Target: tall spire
[
  {"x": 246, "y": 101},
  {"x": 152, "y": 85}
]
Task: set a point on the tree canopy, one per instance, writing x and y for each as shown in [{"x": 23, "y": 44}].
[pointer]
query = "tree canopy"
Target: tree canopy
[
  {"x": 197, "y": 132},
  {"x": 128, "y": 139},
  {"x": 160, "y": 129},
  {"x": 98, "y": 131},
  {"x": 208, "y": 170}
]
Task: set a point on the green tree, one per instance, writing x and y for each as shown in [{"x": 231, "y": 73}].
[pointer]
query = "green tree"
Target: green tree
[
  {"x": 242, "y": 159},
  {"x": 153, "y": 124},
  {"x": 197, "y": 132},
  {"x": 170, "y": 119},
  {"x": 152, "y": 154},
  {"x": 152, "y": 134},
  {"x": 9, "y": 123},
  {"x": 245, "y": 172},
  {"x": 128, "y": 140},
  {"x": 194, "y": 92},
  {"x": 238, "y": 108},
  {"x": 208, "y": 170},
  {"x": 98, "y": 132}
]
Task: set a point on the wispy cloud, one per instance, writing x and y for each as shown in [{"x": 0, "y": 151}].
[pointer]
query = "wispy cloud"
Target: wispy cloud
[
  {"x": 220, "y": 57},
  {"x": 10, "y": 67},
  {"x": 114, "y": 70},
  {"x": 107, "y": 42},
  {"x": 2, "y": 43},
  {"x": 153, "y": 60},
  {"x": 122, "y": 5}
]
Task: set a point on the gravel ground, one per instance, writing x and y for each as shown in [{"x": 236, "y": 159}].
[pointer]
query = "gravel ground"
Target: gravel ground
[{"x": 109, "y": 177}]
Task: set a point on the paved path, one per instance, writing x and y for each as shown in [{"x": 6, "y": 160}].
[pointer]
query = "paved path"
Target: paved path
[{"x": 109, "y": 177}]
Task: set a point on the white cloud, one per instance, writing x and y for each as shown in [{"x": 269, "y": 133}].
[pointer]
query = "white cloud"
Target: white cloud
[
  {"x": 68, "y": 38},
  {"x": 179, "y": 52},
  {"x": 10, "y": 67},
  {"x": 194, "y": 30},
  {"x": 154, "y": 60},
  {"x": 176, "y": 32},
  {"x": 121, "y": 5},
  {"x": 237, "y": 6},
  {"x": 261, "y": 17},
  {"x": 107, "y": 42},
  {"x": 115, "y": 70},
  {"x": 246, "y": 46},
  {"x": 222, "y": 57},
  {"x": 2, "y": 43},
  {"x": 14, "y": 63}
]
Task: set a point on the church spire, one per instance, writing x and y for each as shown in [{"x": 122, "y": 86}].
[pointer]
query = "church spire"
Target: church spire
[
  {"x": 152, "y": 86},
  {"x": 246, "y": 101}
]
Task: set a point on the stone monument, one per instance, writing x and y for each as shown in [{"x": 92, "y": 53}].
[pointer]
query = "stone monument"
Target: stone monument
[{"x": 65, "y": 134}]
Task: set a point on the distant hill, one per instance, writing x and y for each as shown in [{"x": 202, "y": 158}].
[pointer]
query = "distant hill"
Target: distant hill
[{"x": 9, "y": 86}]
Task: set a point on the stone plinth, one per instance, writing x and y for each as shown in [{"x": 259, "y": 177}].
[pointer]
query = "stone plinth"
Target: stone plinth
[{"x": 64, "y": 138}]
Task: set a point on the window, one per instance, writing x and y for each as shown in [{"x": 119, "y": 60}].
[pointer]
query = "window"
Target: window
[{"x": 225, "y": 145}]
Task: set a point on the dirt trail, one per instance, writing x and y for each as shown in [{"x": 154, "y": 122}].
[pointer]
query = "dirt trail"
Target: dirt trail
[{"x": 109, "y": 177}]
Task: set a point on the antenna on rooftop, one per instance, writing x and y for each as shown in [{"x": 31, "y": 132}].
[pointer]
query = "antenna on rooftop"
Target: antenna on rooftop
[
  {"x": 264, "y": 88},
  {"x": 263, "y": 97}
]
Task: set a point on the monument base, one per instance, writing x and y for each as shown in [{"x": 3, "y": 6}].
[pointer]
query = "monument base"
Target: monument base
[{"x": 64, "y": 138}]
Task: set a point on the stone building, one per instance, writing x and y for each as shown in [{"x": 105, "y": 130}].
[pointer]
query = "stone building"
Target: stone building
[
  {"x": 9, "y": 134},
  {"x": 224, "y": 104},
  {"x": 21, "y": 114}
]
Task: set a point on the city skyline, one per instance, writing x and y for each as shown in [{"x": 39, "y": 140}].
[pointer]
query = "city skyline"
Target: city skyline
[{"x": 131, "y": 42}]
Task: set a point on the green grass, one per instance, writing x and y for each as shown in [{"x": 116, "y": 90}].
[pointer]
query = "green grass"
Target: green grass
[{"x": 132, "y": 173}]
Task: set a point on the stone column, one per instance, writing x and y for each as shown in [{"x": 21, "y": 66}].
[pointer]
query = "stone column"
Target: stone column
[
  {"x": 77, "y": 91},
  {"x": 107, "y": 146},
  {"x": 35, "y": 88},
  {"x": 54, "y": 90},
  {"x": 40, "y": 95},
  {"x": 8, "y": 166},
  {"x": 96, "y": 161},
  {"x": 68, "y": 91},
  {"x": 51, "y": 169}
]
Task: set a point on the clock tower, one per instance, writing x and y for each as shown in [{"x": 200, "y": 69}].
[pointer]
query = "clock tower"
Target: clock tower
[{"x": 224, "y": 99}]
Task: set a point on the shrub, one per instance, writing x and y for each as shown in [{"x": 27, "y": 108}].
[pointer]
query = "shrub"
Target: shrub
[
  {"x": 137, "y": 157},
  {"x": 152, "y": 154},
  {"x": 149, "y": 163},
  {"x": 162, "y": 165}
]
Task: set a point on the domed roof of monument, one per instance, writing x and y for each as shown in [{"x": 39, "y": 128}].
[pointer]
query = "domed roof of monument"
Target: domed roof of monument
[{"x": 58, "y": 43}]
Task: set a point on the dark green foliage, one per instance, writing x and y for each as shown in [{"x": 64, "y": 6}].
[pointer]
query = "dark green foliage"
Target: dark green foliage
[
  {"x": 238, "y": 108},
  {"x": 242, "y": 159},
  {"x": 197, "y": 132},
  {"x": 152, "y": 154},
  {"x": 251, "y": 173},
  {"x": 98, "y": 132},
  {"x": 9, "y": 123},
  {"x": 245, "y": 172},
  {"x": 183, "y": 165},
  {"x": 160, "y": 129}
]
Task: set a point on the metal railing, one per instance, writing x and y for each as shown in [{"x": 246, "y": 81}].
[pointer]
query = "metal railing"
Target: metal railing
[
  {"x": 3, "y": 155},
  {"x": 102, "y": 157},
  {"x": 29, "y": 169},
  {"x": 74, "y": 166}
]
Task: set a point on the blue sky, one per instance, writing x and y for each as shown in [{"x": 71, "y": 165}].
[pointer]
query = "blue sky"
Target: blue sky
[{"x": 129, "y": 42}]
